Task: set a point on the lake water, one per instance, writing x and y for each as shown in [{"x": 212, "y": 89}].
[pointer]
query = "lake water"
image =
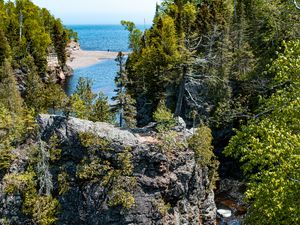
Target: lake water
[{"x": 101, "y": 38}]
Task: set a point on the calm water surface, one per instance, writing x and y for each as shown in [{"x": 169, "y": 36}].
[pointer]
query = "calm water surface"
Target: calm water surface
[{"x": 101, "y": 38}]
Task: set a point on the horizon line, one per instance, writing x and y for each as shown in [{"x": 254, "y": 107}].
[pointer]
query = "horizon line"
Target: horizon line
[{"x": 107, "y": 24}]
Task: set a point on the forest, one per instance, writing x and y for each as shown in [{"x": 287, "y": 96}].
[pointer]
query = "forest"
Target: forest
[
  {"x": 231, "y": 69},
  {"x": 232, "y": 66}
]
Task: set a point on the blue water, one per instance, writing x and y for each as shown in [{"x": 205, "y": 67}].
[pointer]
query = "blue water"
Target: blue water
[
  {"x": 101, "y": 74},
  {"x": 101, "y": 38}
]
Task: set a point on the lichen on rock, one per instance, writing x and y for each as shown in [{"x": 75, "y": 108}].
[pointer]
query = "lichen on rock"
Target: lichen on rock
[{"x": 109, "y": 176}]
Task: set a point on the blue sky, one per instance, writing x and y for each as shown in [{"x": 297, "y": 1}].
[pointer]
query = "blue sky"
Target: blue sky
[{"x": 100, "y": 11}]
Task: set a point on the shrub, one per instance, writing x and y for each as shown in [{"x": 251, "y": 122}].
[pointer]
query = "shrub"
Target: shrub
[
  {"x": 164, "y": 118},
  {"x": 201, "y": 144},
  {"x": 42, "y": 209},
  {"x": 162, "y": 207},
  {"x": 63, "y": 183}
]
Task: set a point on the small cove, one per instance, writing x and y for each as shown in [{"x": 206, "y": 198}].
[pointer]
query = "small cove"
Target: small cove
[{"x": 99, "y": 38}]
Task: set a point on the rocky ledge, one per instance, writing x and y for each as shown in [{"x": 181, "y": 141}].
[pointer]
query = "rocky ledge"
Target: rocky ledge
[{"x": 167, "y": 189}]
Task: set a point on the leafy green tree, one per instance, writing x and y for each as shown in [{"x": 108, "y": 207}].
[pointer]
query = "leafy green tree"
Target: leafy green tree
[{"x": 268, "y": 146}]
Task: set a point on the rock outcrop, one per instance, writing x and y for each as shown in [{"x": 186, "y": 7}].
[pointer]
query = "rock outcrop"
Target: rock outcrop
[
  {"x": 170, "y": 188},
  {"x": 55, "y": 71}
]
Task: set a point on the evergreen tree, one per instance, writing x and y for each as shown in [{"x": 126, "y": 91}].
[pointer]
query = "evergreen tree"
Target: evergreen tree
[
  {"x": 124, "y": 103},
  {"x": 82, "y": 99},
  {"x": 4, "y": 47},
  {"x": 9, "y": 94},
  {"x": 35, "y": 88},
  {"x": 55, "y": 97},
  {"x": 60, "y": 39},
  {"x": 101, "y": 111}
]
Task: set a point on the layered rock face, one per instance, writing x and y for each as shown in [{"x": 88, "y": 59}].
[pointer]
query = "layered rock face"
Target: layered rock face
[
  {"x": 168, "y": 189},
  {"x": 55, "y": 71}
]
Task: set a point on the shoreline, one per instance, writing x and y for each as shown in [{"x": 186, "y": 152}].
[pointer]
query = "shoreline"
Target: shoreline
[{"x": 81, "y": 58}]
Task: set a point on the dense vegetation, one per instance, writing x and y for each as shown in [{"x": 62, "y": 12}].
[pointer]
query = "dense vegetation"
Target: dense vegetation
[
  {"x": 230, "y": 68},
  {"x": 228, "y": 64},
  {"x": 28, "y": 34}
]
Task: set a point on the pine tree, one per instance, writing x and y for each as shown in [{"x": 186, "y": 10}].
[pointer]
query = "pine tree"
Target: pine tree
[
  {"x": 81, "y": 101},
  {"x": 129, "y": 111},
  {"x": 55, "y": 97},
  {"x": 4, "y": 47},
  {"x": 124, "y": 105},
  {"x": 9, "y": 94},
  {"x": 35, "y": 88},
  {"x": 60, "y": 38},
  {"x": 101, "y": 111}
]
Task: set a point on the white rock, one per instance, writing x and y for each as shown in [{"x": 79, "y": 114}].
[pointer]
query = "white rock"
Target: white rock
[{"x": 224, "y": 213}]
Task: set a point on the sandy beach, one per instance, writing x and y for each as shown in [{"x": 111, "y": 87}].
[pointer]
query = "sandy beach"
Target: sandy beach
[{"x": 80, "y": 58}]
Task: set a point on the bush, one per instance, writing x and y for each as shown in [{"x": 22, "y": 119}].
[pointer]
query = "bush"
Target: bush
[
  {"x": 164, "y": 118},
  {"x": 201, "y": 144}
]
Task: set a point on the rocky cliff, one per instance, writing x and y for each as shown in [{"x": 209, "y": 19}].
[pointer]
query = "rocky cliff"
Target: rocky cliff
[{"x": 113, "y": 176}]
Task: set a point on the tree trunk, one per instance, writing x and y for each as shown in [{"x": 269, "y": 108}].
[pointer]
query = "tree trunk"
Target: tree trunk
[{"x": 181, "y": 92}]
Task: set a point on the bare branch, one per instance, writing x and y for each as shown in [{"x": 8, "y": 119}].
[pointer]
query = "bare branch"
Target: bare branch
[
  {"x": 191, "y": 97},
  {"x": 295, "y": 180},
  {"x": 296, "y": 4}
]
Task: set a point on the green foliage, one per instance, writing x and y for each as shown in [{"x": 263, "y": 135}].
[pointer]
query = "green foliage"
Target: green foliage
[
  {"x": 122, "y": 181},
  {"x": 120, "y": 196},
  {"x": 164, "y": 118},
  {"x": 84, "y": 91},
  {"x": 77, "y": 107},
  {"x": 84, "y": 103},
  {"x": 91, "y": 170},
  {"x": 171, "y": 142},
  {"x": 60, "y": 40},
  {"x": 43, "y": 209},
  {"x": 4, "y": 221},
  {"x": 162, "y": 207},
  {"x": 135, "y": 35},
  {"x": 54, "y": 98},
  {"x": 17, "y": 183},
  {"x": 4, "y": 47},
  {"x": 9, "y": 94},
  {"x": 72, "y": 35},
  {"x": 101, "y": 111},
  {"x": 116, "y": 175},
  {"x": 268, "y": 146},
  {"x": 13, "y": 127},
  {"x": 35, "y": 94},
  {"x": 55, "y": 152},
  {"x": 63, "y": 183},
  {"x": 201, "y": 144},
  {"x": 32, "y": 30},
  {"x": 89, "y": 139},
  {"x": 124, "y": 105},
  {"x": 6, "y": 157}
]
